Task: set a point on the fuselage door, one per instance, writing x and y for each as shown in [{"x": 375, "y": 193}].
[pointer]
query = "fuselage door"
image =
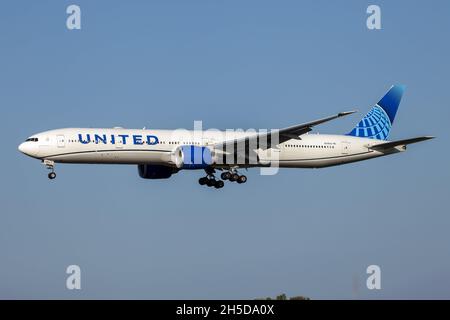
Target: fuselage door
[
  {"x": 345, "y": 147},
  {"x": 208, "y": 141},
  {"x": 60, "y": 141},
  {"x": 119, "y": 142}
]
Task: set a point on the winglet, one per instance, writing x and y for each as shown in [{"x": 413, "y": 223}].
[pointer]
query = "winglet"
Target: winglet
[{"x": 346, "y": 113}]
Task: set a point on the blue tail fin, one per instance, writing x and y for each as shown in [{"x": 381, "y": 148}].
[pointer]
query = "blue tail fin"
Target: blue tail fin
[{"x": 378, "y": 122}]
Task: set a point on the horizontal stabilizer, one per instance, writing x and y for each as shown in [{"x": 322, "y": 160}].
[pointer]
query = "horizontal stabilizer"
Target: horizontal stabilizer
[{"x": 393, "y": 144}]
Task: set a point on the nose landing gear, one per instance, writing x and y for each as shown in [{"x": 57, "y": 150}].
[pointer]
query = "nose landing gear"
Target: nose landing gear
[{"x": 49, "y": 164}]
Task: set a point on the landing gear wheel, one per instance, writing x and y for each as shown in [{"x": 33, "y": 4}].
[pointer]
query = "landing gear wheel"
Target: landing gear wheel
[
  {"x": 234, "y": 177},
  {"x": 242, "y": 179},
  {"x": 225, "y": 175},
  {"x": 219, "y": 184},
  {"x": 52, "y": 175},
  {"x": 211, "y": 182},
  {"x": 203, "y": 180}
]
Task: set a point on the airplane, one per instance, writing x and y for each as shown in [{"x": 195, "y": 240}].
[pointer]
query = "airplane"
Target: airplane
[{"x": 159, "y": 154}]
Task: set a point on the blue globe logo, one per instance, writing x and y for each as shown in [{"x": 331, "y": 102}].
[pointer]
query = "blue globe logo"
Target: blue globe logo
[{"x": 375, "y": 125}]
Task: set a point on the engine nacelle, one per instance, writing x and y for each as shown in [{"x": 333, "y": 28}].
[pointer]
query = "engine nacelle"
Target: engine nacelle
[
  {"x": 193, "y": 157},
  {"x": 147, "y": 171}
]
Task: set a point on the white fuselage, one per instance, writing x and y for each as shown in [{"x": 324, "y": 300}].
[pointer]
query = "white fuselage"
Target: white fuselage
[{"x": 135, "y": 146}]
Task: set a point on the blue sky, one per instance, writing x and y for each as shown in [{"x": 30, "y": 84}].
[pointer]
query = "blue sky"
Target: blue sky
[{"x": 233, "y": 64}]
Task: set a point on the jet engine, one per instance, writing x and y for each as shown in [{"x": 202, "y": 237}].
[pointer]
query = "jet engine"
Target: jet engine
[
  {"x": 193, "y": 157},
  {"x": 147, "y": 171}
]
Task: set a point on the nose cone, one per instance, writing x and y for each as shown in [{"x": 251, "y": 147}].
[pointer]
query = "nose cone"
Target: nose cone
[
  {"x": 28, "y": 148},
  {"x": 22, "y": 147}
]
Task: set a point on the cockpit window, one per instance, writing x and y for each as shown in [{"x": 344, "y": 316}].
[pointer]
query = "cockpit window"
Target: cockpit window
[{"x": 32, "y": 139}]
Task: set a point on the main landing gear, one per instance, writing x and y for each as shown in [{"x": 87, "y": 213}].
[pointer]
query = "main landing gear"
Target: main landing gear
[
  {"x": 233, "y": 176},
  {"x": 49, "y": 164},
  {"x": 211, "y": 181}
]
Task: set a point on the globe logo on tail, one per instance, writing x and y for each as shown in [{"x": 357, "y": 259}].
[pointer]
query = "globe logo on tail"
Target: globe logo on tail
[{"x": 375, "y": 125}]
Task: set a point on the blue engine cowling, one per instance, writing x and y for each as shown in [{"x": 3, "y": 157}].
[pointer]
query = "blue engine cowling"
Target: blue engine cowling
[
  {"x": 193, "y": 157},
  {"x": 147, "y": 171}
]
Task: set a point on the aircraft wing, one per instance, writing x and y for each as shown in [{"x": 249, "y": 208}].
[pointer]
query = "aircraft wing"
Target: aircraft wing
[
  {"x": 292, "y": 132},
  {"x": 393, "y": 144}
]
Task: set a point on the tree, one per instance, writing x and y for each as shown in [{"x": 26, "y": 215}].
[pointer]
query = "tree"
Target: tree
[
  {"x": 299, "y": 298},
  {"x": 281, "y": 297}
]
